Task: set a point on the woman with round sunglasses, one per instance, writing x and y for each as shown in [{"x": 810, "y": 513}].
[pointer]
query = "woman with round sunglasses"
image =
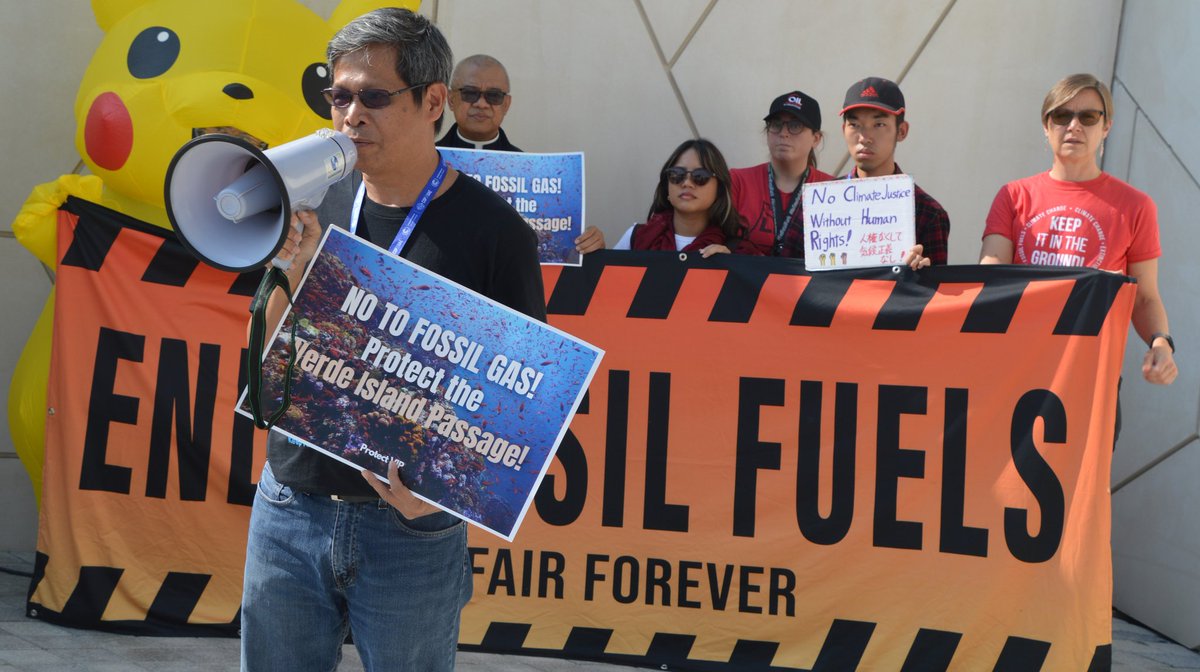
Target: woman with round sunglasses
[
  {"x": 692, "y": 210},
  {"x": 768, "y": 195},
  {"x": 1075, "y": 214}
]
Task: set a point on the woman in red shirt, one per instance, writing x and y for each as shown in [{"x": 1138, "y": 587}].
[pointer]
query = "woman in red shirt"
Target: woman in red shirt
[
  {"x": 768, "y": 195},
  {"x": 1077, "y": 215}
]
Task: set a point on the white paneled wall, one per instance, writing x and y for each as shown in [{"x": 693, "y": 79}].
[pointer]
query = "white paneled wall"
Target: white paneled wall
[{"x": 1156, "y": 520}]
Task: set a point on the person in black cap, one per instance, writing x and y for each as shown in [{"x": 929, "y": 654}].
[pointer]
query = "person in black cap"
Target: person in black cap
[
  {"x": 768, "y": 195},
  {"x": 873, "y": 124}
]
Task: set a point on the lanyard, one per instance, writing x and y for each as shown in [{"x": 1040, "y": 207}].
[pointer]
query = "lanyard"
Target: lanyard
[
  {"x": 781, "y": 222},
  {"x": 414, "y": 213}
]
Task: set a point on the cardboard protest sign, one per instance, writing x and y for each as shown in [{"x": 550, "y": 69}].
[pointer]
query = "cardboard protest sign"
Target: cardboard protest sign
[
  {"x": 546, "y": 189},
  {"x": 870, "y": 221},
  {"x": 396, "y": 363}
]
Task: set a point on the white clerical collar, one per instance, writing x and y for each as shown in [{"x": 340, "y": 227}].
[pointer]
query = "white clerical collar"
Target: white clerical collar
[{"x": 478, "y": 145}]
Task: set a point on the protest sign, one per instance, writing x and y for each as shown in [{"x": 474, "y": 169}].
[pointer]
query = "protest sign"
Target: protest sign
[
  {"x": 869, "y": 221},
  {"x": 396, "y": 363},
  {"x": 546, "y": 189}
]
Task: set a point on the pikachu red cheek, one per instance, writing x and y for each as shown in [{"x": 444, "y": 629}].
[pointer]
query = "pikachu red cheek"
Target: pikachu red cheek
[{"x": 108, "y": 132}]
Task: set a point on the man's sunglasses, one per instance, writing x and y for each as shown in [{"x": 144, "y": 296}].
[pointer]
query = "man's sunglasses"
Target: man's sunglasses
[
  {"x": 794, "y": 126},
  {"x": 1062, "y": 117},
  {"x": 700, "y": 176},
  {"x": 370, "y": 98},
  {"x": 470, "y": 94}
]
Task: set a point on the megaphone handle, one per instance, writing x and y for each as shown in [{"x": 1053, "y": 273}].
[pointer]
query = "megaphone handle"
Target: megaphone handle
[
  {"x": 272, "y": 279},
  {"x": 280, "y": 263}
]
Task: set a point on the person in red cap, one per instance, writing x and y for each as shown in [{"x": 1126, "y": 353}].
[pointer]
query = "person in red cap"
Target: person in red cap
[
  {"x": 768, "y": 195},
  {"x": 873, "y": 124}
]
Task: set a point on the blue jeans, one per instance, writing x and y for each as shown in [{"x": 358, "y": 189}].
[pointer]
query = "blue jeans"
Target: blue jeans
[{"x": 317, "y": 568}]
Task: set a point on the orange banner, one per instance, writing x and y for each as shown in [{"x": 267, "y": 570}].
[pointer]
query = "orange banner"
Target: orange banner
[
  {"x": 869, "y": 469},
  {"x": 149, "y": 474}
]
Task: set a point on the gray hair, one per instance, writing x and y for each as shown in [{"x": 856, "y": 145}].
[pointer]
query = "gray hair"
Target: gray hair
[{"x": 422, "y": 54}]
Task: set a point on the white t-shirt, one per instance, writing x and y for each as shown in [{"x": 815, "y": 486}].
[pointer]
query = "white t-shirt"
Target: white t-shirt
[{"x": 680, "y": 241}]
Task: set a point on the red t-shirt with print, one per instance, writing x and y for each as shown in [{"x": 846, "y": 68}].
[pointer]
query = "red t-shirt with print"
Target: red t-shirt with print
[{"x": 1102, "y": 223}]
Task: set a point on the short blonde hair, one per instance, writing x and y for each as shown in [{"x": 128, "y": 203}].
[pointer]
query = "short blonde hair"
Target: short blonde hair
[{"x": 1069, "y": 87}]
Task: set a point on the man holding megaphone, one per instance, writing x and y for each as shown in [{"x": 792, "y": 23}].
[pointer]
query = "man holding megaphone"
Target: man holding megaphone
[{"x": 331, "y": 549}]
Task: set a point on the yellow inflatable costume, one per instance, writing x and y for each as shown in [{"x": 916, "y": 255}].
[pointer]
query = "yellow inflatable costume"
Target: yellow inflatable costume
[{"x": 165, "y": 71}]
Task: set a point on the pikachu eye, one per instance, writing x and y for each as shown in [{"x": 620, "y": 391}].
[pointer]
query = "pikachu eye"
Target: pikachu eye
[
  {"x": 315, "y": 80},
  {"x": 153, "y": 52}
]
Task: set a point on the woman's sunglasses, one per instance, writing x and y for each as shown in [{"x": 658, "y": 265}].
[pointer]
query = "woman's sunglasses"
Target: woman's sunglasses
[
  {"x": 1086, "y": 117},
  {"x": 700, "y": 176},
  {"x": 370, "y": 98},
  {"x": 470, "y": 94}
]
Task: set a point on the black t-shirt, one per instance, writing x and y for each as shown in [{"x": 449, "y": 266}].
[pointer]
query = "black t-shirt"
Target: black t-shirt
[{"x": 469, "y": 235}]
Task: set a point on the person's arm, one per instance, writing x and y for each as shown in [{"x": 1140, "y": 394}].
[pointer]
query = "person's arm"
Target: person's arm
[
  {"x": 998, "y": 229},
  {"x": 397, "y": 494},
  {"x": 299, "y": 249},
  {"x": 626, "y": 240},
  {"x": 996, "y": 249},
  {"x": 932, "y": 230},
  {"x": 1150, "y": 321}
]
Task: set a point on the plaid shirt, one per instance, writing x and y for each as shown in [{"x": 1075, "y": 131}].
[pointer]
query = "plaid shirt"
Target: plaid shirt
[{"x": 933, "y": 224}]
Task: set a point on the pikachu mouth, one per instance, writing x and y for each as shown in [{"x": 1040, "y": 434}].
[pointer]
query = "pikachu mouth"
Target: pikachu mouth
[{"x": 230, "y": 130}]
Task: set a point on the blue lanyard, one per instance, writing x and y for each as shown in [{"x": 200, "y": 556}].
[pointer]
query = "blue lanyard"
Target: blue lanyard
[{"x": 414, "y": 213}]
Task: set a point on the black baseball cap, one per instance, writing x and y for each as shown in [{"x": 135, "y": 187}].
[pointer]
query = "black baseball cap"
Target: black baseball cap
[
  {"x": 874, "y": 92},
  {"x": 803, "y": 106}
]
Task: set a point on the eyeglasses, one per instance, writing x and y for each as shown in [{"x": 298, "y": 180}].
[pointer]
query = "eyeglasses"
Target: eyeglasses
[
  {"x": 700, "y": 176},
  {"x": 370, "y": 98},
  {"x": 470, "y": 94},
  {"x": 794, "y": 126},
  {"x": 1062, "y": 117}
]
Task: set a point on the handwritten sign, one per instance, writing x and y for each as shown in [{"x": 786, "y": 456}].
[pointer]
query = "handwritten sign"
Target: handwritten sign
[
  {"x": 546, "y": 189},
  {"x": 869, "y": 221},
  {"x": 396, "y": 363}
]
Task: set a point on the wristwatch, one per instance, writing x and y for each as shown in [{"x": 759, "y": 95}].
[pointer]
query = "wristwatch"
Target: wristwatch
[{"x": 1167, "y": 337}]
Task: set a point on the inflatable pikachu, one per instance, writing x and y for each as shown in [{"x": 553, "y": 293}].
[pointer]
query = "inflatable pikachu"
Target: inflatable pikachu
[{"x": 166, "y": 71}]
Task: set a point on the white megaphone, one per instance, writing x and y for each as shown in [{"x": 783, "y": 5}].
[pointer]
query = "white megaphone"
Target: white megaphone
[{"x": 231, "y": 203}]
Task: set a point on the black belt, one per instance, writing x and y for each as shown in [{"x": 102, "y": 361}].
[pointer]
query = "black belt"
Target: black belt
[{"x": 354, "y": 499}]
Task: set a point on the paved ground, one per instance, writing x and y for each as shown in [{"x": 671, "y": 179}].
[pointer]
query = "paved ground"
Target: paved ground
[{"x": 29, "y": 645}]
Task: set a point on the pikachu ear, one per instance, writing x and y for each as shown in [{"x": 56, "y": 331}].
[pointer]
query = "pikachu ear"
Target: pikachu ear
[
  {"x": 109, "y": 12},
  {"x": 348, "y": 10}
]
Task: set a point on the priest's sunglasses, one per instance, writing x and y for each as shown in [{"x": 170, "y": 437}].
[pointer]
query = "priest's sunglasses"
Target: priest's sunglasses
[{"x": 470, "y": 94}]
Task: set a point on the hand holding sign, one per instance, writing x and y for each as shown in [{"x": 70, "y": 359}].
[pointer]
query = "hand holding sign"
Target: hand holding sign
[
  {"x": 410, "y": 376},
  {"x": 915, "y": 258},
  {"x": 397, "y": 494}
]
